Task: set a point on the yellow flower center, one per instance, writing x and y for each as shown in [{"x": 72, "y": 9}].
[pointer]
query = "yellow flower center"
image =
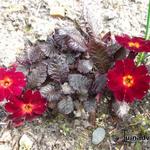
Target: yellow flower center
[
  {"x": 128, "y": 80},
  {"x": 27, "y": 108},
  {"x": 134, "y": 44},
  {"x": 6, "y": 82}
]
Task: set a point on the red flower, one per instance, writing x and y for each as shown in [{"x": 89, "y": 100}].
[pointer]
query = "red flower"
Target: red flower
[
  {"x": 136, "y": 44},
  {"x": 127, "y": 81},
  {"x": 28, "y": 106},
  {"x": 11, "y": 82}
]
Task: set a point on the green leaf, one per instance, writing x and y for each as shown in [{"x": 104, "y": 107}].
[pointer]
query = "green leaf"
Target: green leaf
[
  {"x": 141, "y": 56},
  {"x": 138, "y": 146},
  {"x": 147, "y": 35}
]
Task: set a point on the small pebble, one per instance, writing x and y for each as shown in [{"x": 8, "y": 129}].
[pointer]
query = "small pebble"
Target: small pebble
[
  {"x": 25, "y": 143},
  {"x": 98, "y": 136}
]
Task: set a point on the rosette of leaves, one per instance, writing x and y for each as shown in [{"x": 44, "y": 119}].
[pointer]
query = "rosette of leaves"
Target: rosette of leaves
[
  {"x": 58, "y": 68},
  {"x": 51, "y": 92},
  {"x": 70, "y": 39},
  {"x": 37, "y": 75}
]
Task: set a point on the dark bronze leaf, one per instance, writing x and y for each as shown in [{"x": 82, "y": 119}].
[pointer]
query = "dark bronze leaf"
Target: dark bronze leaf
[
  {"x": 99, "y": 84},
  {"x": 34, "y": 53},
  {"x": 70, "y": 58},
  {"x": 23, "y": 68},
  {"x": 23, "y": 59},
  {"x": 100, "y": 57},
  {"x": 90, "y": 105},
  {"x": 58, "y": 68},
  {"x": 37, "y": 75},
  {"x": 66, "y": 105},
  {"x": 112, "y": 49},
  {"x": 85, "y": 66},
  {"x": 79, "y": 82},
  {"x": 121, "y": 54},
  {"x": 107, "y": 37},
  {"x": 50, "y": 92},
  {"x": 70, "y": 39},
  {"x": 47, "y": 47}
]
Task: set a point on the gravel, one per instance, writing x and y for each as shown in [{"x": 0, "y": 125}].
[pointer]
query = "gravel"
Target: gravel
[
  {"x": 22, "y": 20},
  {"x": 30, "y": 20}
]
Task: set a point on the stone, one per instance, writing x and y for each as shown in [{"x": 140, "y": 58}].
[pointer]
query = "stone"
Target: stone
[
  {"x": 57, "y": 11},
  {"x": 98, "y": 136},
  {"x": 25, "y": 142}
]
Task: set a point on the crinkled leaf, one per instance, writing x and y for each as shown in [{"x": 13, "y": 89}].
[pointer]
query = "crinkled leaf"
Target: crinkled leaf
[
  {"x": 121, "y": 54},
  {"x": 99, "y": 84},
  {"x": 112, "y": 49},
  {"x": 50, "y": 92},
  {"x": 66, "y": 89},
  {"x": 116, "y": 51},
  {"x": 70, "y": 58},
  {"x": 70, "y": 39},
  {"x": 34, "y": 53},
  {"x": 23, "y": 59},
  {"x": 90, "y": 105},
  {"x": 107, "y": 37},
  {"x": 58, "y": 68},
  {"x": 66, "y": 105},
  {"x": 23, "y": 68},
  {"x": 85, "y": 66},
  {"x": 83, "y": 95},
  {"x": 99, "y": 55},
  {"x": 47, "y": 47},
  {"x": 37, "y": 75},
  {"x": 79, "y": 82},
  {"x": 132, "y": 54}
]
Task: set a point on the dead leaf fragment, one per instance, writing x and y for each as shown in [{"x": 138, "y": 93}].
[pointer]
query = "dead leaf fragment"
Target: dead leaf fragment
[{"x": 57, "y": 11}]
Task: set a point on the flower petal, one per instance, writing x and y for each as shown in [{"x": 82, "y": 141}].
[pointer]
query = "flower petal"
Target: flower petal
[
  {"x": 37, "y": 98},
  {"x": 17, "y": 114},
  {"x": 138, "y": 44},
  {"x": 27, "y": 96},
  {"x": 16, "y": 91},
  {"x": 30, "y": 117},
  {"x": 140, "y": 80},
  {"x": 129, "y": 96},
  {"x": 15, "y": 101},
  {"x": 2, "y": 94},
  {"x": 129, "y": 66},
  {"x": 141, "y": 70},
  {"x": 17, "y": 122},
  {"x": 39, "y": 110},
  {"x": 11, "y": 107},
  {"x": 119, "y": 95}
]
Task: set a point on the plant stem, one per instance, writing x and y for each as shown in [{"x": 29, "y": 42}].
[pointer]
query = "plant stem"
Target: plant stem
[{"x": 147, "y": 36}]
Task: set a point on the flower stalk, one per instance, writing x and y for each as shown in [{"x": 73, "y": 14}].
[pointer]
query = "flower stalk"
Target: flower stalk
[{"x": 141, "y": 56}]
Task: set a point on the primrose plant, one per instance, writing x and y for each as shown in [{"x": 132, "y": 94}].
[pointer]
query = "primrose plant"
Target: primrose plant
[{"x": 68, "y": 68}]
